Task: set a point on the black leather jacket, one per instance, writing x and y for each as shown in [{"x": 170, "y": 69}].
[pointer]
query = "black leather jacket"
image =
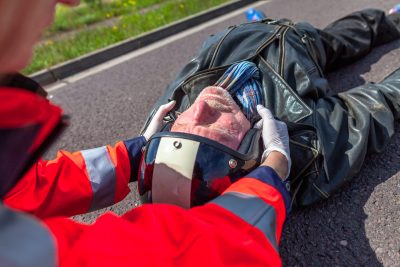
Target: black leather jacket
[{"x": 329, "y": 135}]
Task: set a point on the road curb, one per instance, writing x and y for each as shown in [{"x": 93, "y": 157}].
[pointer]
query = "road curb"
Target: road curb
[{"x": 74, "y": 66}]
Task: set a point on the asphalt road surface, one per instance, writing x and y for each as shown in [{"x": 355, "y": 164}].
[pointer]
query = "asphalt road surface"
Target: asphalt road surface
[{"x": 360, "y": 226}]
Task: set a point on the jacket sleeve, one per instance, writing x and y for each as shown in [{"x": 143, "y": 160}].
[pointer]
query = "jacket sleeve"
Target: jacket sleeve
[
  {"x": 354, "y": 35},
  {"x": 76, "y": 183},
  {"x": 242, "y": 227},
  {"x": 351, "y": 125}
]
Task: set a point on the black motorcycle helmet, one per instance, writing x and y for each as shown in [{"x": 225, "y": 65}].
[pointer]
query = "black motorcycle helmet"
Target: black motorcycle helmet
[{"x": 190, "y": 170}]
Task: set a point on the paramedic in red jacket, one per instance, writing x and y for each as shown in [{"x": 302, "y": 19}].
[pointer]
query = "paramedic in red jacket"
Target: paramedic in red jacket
[{"x": 242, "y": 227}]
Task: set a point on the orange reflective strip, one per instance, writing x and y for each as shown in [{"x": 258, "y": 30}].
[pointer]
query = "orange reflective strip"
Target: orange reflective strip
[{"x": 265, "y": 192}]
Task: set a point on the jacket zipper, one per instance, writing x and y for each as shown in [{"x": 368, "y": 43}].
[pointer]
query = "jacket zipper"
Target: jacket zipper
[
  {"x": 219, "y": 46},
  {"x": 282, "y": 51},
  {"x": 272, "y": 38},
  {"x": 311, "y": 51}
]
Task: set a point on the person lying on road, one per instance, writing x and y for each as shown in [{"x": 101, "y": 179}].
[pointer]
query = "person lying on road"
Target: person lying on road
[{"x": 330, "y": 135}]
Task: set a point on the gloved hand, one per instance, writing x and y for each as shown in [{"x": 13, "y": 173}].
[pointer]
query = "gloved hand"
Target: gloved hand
[
  {"x": 157, "y": 121},
  {"x": 275, "y": 135}
]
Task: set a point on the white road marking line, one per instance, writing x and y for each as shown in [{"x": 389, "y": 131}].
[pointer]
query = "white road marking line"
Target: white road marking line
[{"x": 113, "y": 62}]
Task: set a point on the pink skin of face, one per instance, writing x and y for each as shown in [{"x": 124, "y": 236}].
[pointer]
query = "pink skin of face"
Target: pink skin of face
[{"x": 216, "y": 116}]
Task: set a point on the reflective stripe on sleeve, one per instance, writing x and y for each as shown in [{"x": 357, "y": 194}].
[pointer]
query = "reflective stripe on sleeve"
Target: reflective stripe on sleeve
[
  {"x": 24, "y": 241},
  {"x": 253, "y": 210},
  {"x": 102, "y": 176}
]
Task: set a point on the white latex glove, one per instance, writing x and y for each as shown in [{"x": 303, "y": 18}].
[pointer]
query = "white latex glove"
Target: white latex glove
[
  {"x": 157, "y": 121},
  {"x": 275, "y": 135}
]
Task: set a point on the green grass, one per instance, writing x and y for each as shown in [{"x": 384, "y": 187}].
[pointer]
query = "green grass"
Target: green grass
[
  {"x": 74, "y": 18},
  {"x": 51, "y": 53}
]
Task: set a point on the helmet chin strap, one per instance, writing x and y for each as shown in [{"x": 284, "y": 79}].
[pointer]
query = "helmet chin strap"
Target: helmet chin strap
[{"x": 173, "y": 171}]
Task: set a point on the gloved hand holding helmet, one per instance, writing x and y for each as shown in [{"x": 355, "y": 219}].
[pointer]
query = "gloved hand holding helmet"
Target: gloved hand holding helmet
[
  {"x": 157, "y": 121},
  {"x": 275, "y": 136}
]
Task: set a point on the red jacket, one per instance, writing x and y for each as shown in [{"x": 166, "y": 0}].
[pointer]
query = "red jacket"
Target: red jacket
[{"x": 242, "y": 227}]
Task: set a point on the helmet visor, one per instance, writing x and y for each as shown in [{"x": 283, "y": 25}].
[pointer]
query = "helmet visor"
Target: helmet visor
[{"x": 188, "y": 170}]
